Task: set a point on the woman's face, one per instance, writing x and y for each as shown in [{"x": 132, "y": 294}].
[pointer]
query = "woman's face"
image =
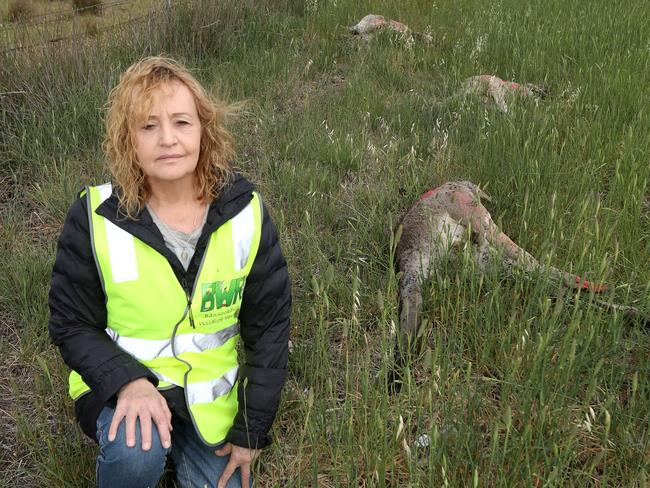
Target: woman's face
[{"x": 168, "y": 142}]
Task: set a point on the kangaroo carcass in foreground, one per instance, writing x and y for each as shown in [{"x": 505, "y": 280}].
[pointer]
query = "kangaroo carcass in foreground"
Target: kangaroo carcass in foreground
[{"x": 439, "y": 221}]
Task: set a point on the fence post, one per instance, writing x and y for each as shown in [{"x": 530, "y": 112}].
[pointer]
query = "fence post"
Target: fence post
[
  {"x": 168, "y": 21},
  {"x": 168, "y": 8}
]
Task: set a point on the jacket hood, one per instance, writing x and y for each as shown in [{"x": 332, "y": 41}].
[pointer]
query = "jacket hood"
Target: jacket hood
[
  {"x": 232, "y": 199},
  {"x": 238, "y": 186}
]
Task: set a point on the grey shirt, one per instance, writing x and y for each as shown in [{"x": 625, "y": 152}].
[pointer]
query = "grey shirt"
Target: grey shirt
[{"x": 181, "y": 243}]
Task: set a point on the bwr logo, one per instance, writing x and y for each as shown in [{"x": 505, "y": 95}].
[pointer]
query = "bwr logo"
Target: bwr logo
[{"x": 216, "y": 295}]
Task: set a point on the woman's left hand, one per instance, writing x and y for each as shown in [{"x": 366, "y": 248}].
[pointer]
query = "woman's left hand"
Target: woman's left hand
[{"x": 240, "y": 457}]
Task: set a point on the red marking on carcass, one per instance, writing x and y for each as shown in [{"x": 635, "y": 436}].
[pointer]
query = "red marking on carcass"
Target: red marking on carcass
[
  {"x": 428, "y": 193},
  {"x": 587, "y": 285}
]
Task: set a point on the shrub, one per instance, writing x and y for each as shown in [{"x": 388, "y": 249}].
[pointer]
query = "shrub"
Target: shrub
[
  {"x": 20, "y": 10},
  {"x": 87, "y": 7}
]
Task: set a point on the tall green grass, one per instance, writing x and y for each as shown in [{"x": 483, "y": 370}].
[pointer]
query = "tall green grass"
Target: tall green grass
[{"x": 517, "y": 385}]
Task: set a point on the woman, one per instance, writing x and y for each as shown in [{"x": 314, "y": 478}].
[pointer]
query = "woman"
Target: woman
[{"x": 156, "y": 277}]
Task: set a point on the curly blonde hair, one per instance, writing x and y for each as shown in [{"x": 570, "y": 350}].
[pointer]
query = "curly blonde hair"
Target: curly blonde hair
[{"x": 129, "y": 103}]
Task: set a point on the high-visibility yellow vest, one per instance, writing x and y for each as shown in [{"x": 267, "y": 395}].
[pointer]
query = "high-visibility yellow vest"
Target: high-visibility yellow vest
[{"x": 189, "y": 341}]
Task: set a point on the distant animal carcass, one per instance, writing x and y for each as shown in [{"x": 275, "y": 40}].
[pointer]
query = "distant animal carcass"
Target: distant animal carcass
[
  {"x": 372, "y": 23},
  {"x": 492, "y": 89}
]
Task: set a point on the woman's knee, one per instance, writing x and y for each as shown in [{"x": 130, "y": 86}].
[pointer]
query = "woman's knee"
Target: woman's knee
[
  {"x": 134, "y": 460},
  {"x": 119, "y": 452}
]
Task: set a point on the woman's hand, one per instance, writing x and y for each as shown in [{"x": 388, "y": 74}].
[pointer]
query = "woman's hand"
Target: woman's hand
[
  {"x": 140, "y": 399},
  {"x": 240, "y": 457}
]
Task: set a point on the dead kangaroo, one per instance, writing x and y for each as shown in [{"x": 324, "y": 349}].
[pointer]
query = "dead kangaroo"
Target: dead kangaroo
[
  {"x": 372, "y": 23},
  {"x": 491, "y": 88},
  {"x": 438, "y": 222},
  {"x": 442, "y": 219}
]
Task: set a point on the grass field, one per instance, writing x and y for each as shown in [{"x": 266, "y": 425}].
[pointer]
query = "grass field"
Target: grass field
[{"x": 517, "y": 385}]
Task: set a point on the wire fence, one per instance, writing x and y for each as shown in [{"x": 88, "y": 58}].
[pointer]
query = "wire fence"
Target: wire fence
[
  {"x": 66, "y": 25},
  {"x": 63, "y": 14}
]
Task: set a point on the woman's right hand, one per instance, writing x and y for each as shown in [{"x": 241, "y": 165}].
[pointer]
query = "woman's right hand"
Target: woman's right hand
[{"x": 140, "y": 399}]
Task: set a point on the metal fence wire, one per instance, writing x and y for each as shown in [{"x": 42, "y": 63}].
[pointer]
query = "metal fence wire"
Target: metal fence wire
[{"x": 66, "y": 25}]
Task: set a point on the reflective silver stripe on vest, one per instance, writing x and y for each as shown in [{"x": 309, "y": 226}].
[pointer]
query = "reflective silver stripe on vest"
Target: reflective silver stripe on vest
[
  {"x": 147, "y": 349},
  {"x": 243, "y": 228},
  {"x": 121, "y": 246},
  {"x": 208, "y": 391}
]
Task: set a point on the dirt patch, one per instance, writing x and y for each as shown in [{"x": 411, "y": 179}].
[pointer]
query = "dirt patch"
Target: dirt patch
[
  {"x": 14, "y": 460},
  {"x": 7, "y": 194},
  {"x": 310, "y": 91},
  {"x": 41, "y": 228},
  {"x": 17, "y": 208}
]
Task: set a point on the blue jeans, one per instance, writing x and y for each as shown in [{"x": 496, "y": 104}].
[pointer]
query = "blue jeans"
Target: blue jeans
[{"x": 120, "y": 466}]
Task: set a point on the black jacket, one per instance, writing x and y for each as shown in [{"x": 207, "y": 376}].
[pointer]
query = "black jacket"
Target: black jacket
[{"x": 78, "y": 315}]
